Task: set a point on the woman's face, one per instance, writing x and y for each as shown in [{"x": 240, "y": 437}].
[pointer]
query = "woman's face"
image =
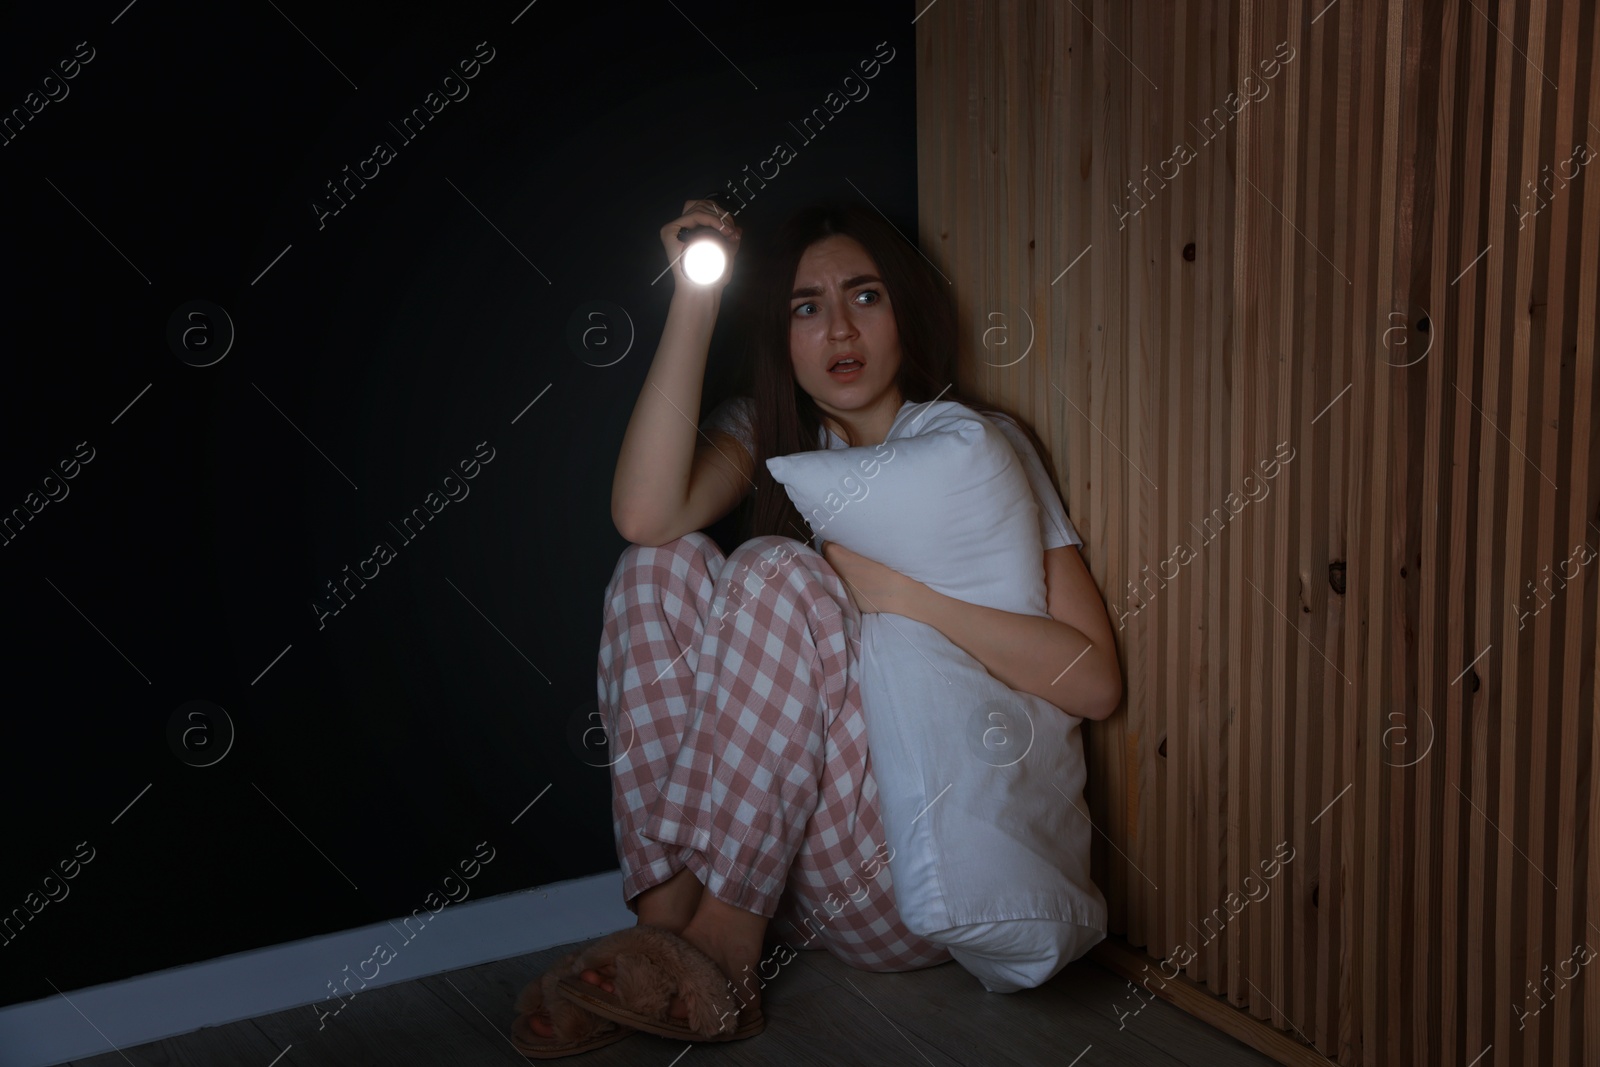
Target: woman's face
[{"x": 841, "y": 308}]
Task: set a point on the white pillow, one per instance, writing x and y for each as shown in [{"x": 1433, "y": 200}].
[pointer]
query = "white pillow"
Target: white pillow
[
  {"x": 980, "y": 786},
  {"x": 981, "y": 792},
  {"x": 950, "y": 506}
]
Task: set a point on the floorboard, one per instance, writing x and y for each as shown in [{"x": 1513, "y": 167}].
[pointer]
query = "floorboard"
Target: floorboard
[
  {"x": 1066, "y": 1017},
  {"x": 819, "y": 1012},
  {"x": 389, "y": 1027},
  {"x": 238, "y": 1042}
]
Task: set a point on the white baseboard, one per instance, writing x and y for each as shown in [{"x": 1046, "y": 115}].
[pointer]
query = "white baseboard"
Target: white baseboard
[{"x": 103, "y": 1018}]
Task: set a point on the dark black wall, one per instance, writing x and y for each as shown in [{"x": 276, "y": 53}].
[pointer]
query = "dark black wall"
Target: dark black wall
[{"x": 208, "y": 507}]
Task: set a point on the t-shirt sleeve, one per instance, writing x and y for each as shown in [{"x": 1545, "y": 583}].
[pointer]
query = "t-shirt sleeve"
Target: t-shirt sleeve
[
  {"x": 733, "y": 416},
  {"x": 1055, "y": 528}
]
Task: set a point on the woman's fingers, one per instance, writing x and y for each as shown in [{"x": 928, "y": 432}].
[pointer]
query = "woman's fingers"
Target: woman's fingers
[
  {"x": 693, "y": 218},
  {"x": 705, "y": 216},
  {"x": 708, "y": 213}
]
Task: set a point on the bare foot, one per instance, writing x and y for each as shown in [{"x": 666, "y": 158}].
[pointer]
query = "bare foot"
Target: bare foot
[
  {"x": 732, "y": 937},
  {"x": 539, "y": 1023},
  {"x": 670, "y": 904},
  {"x": 605, "y": 975}
]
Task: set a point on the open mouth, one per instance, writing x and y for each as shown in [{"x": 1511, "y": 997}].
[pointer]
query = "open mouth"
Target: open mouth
[{"x": 845, "y": 366}]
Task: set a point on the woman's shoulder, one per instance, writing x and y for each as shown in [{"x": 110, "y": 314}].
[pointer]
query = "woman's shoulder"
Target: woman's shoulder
[
  {"x": 734, "y": 415},
  {"x": 1014, "y": 431},
  {"x": 738, "y": 404},
  {"x": 1055, "y": 524},
  {"x": 735, "y": 404}
]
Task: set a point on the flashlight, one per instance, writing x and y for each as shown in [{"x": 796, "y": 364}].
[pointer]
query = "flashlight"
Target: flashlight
[{"x": 706, "y": 257}]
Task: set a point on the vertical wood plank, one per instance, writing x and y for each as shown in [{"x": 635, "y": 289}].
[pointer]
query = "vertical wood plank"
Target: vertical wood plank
[
  {"x": 1299, "y": 956},
  {"x": 1136, "y": 359},
  {"x": 1439, "y": 700},
  {"x": 1414, "y": 753},
  {"x": 1281, "y": 368},
  {"x": 1245, "y": 765},
  {"x": 1104, "y": 402},
  {"x": 1581, "y": 647},
  {"x": 1471, "y": 700},
  {"x": 1183, "y": 473}
]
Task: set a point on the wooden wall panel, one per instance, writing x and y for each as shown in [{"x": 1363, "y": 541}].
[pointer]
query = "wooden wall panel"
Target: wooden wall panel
[{"x": 1383, "y": 655}]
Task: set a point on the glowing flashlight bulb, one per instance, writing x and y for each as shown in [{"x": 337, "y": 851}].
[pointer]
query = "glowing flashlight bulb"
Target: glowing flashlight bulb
[{"x": 704, "y": 261}]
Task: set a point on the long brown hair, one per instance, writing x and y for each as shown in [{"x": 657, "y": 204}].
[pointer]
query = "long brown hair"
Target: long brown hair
[{"x": 786, "y": 418}]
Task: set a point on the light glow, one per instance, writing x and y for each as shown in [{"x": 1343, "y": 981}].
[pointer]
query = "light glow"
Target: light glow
[{"x": 704, "y": 261}]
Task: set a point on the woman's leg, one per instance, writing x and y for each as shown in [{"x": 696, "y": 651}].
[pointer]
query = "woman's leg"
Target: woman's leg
[
  {"x": 656, "y": 607},
  {"x": 656, "y": 604},
  {"x": 771, "y": 787}
]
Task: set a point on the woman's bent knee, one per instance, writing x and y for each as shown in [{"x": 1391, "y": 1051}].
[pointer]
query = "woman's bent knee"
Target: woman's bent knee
[
  {"x": 767, "y": 554},
  {"x": 692, "y": 546}
]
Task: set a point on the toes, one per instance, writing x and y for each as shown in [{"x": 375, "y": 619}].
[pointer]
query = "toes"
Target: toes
[
  {"x": 678, "y": 1009},
  {"x": 599, "y": 978}
]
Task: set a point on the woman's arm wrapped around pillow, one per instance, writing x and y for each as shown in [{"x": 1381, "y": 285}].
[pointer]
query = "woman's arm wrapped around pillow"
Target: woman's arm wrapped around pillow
[
  {"x": 948, "y": 533},
  {"x": 1067, "y": 658}
]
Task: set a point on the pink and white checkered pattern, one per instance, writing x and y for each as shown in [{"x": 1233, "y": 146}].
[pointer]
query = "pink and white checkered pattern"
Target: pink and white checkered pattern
[{"x": 729, "y": 690}]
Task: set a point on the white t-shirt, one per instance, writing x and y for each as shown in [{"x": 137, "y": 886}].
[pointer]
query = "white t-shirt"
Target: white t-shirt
[{"x": 733, "y": 416}]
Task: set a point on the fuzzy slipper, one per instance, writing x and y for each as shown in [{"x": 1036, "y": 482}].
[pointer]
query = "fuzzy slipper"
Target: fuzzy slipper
[
  {"x": 653, "y": 965},
  {"x": 576, "y": 1030}
]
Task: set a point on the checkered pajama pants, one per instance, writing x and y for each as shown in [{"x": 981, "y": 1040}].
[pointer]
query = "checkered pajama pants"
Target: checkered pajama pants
[{"x": 729, "y": 689}]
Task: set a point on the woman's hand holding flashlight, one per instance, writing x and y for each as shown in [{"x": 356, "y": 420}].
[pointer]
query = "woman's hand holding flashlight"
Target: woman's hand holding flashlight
[{"x": 700, "y": 261}]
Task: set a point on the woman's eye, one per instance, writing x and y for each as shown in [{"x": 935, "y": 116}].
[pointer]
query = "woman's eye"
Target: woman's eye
[{"x": 876, "y": 297}]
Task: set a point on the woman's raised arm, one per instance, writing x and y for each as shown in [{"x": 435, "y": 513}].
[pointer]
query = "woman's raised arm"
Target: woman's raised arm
[{"x": 668, "y": 480}]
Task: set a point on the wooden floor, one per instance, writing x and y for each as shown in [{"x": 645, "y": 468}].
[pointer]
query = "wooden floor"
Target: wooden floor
[{"x": 819, "y": 1011}]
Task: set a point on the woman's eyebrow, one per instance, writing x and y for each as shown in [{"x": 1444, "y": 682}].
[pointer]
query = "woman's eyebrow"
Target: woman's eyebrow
[{"x": 849, "y": 283}]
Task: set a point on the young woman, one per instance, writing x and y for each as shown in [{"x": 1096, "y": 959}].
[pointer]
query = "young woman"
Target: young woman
[{"x": 744, "y": 802}]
